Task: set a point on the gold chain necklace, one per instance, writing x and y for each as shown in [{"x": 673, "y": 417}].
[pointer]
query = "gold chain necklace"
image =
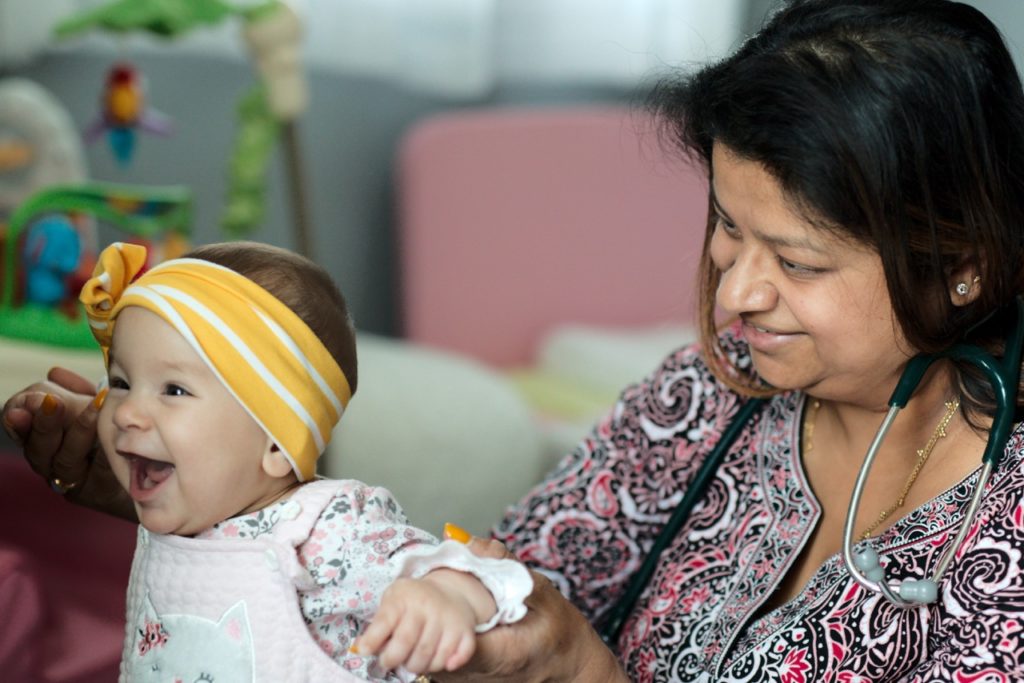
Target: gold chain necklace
[{"x": 922, "y": 456}]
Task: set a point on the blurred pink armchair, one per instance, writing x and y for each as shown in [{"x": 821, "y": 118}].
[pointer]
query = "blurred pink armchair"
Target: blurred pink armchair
[
  {"x": 63, "y": 574},
  {"x": 513, "y": 221}
]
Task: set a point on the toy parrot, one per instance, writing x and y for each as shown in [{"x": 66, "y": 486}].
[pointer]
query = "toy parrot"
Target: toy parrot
[{"x": 123, "y": 111}]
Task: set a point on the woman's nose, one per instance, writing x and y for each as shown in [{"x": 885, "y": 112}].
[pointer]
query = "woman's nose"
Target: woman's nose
[{"x": 746, "y": 285}]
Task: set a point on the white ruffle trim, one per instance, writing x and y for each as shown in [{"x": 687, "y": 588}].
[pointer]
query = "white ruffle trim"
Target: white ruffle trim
[{"x": 508, "y": 581}]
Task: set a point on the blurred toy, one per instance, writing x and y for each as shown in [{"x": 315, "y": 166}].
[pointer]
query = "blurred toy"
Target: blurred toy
[
  {"x": 273, "y": 33},
  {"x": 124, "y": 111},
  {"x": 39, "y": 144},
  {"x": 52, "y": 233},
  {"x": 14, "y": 154},
  {"x": 51, "y": 255},
  {"x": 255, "y": 139}
]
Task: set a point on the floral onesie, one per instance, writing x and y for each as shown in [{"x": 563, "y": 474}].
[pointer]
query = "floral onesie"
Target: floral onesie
[
  {"x": 590, "y": 524},
  {"x": 353, "y": 553}
]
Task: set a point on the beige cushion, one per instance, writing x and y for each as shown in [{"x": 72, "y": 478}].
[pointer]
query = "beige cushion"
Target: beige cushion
[
  {"x": 450, "y": 437},
  {"x": 23, "y": 363}
]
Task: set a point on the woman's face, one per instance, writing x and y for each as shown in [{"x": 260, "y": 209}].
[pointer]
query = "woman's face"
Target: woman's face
[{"x": 814, "y": 307}]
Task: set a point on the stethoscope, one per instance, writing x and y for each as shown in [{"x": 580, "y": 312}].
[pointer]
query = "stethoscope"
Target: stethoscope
[{"x": 861, "y": 559}]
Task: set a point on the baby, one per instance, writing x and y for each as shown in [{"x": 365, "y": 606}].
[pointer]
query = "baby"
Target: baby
[{"x": 227, "y": 370}]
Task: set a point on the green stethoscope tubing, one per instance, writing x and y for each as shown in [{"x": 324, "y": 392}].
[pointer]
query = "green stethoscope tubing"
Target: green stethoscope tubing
[
  {"x": 1004, "y": 378},
  {"x": 616, "y": 617},
  {"x": 863, "y": 564}
]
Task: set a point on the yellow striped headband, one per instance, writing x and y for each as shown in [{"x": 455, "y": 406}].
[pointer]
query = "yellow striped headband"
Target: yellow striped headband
[{"x": 264, "y": 354}]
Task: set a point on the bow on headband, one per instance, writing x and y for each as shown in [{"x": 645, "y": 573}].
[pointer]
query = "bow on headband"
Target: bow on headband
[{"x": 264, "y": 354}]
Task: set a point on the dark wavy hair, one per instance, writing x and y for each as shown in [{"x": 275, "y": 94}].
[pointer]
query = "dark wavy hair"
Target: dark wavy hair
[{"x": 897, "y": 123}]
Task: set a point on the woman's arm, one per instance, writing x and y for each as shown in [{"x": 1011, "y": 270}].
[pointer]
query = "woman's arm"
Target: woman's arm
[{"x": 55, "y": 424}]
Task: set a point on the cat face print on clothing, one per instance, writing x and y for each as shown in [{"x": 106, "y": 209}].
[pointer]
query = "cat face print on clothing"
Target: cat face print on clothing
[{"x": 191, "y": 649}]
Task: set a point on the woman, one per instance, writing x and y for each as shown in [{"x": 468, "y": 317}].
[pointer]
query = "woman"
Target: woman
[{"x": 867, "y": 163}]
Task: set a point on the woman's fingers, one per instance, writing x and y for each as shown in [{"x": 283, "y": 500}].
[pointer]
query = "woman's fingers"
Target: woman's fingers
[
  {"x": 488, "y": 547},
  {"x": 45, "y": 433},
  {"x": 71, "y": 381},
  {"x": 72, "y": 459},
  {"x": 54, "y": 424},
  {"x": 17, "y": 420},
  {"x": 481, "y": 547}
]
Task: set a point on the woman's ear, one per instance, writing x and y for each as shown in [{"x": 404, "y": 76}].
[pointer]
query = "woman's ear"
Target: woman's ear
[
  {"x": 274, "y": 462},
  {"x": 964, "y": 284}
]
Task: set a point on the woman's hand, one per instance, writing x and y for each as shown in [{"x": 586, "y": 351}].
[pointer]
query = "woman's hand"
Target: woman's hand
[
  {"x": 553, "y": 643},
  {"x": 54, "y": 422}
]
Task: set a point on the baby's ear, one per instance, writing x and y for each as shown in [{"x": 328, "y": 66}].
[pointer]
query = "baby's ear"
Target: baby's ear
[{"x": 274, "y": 462}]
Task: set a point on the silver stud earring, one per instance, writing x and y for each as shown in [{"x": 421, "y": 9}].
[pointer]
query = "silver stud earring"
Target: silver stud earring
[{"x": 963, "y": 288}]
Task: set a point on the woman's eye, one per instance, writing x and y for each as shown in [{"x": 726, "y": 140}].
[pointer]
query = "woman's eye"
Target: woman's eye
[
  {"x": 796, "y": 268},
  {"x": 176, "y": 390},
  {"x": 727, "y": 227}
]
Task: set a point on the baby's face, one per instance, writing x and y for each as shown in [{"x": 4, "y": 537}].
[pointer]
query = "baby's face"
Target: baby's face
[{"x": 178, "y": 441}]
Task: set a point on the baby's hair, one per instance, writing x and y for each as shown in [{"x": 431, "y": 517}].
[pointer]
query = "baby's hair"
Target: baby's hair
[{"x": 299, "y": 284}]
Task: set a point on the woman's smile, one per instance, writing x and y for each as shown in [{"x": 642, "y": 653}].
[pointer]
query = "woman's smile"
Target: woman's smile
[{"x": 764, "y": 338}]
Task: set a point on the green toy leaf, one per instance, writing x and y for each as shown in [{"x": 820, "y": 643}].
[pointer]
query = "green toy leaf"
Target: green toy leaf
[
  {"x": 255, "y": 139},
  {"x": 166, "y": 18}
]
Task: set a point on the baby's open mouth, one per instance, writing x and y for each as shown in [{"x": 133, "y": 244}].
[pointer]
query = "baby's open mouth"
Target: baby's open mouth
[{"x": 147, "y": 474}]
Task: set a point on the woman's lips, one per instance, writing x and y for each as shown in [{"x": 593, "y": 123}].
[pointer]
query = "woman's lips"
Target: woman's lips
[
  {"x": 765, "y": 339},
  {"x": 146, "y": 476}
]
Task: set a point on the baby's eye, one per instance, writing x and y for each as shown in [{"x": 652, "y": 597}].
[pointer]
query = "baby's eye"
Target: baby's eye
[
  {"x": 176, "y": 390},
  {"x": 115, "y": 382}
]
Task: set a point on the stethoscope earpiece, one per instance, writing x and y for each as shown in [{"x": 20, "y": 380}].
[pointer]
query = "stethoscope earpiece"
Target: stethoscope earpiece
[
  {"x": 867, "y": 561},
  {"x": 921, "y": 591},
  {"x": 917, "y": 591}
]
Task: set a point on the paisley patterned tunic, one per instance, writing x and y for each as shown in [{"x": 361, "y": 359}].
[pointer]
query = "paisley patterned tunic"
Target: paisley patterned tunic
[{"x": 589, "y": 525}]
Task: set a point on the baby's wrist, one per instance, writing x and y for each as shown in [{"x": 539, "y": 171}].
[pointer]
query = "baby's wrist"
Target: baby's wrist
[
  {"x": 507, "y": 582},
  {"x": 461, "y": 585}
]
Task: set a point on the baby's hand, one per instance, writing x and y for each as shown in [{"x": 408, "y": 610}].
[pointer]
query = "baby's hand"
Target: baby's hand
[{"x": 428, "y": 624}]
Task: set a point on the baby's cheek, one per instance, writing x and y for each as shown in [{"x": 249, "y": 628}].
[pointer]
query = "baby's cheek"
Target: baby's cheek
[
  {"x": 105, "y": 432},
  {"x": 120, "y": 467}
]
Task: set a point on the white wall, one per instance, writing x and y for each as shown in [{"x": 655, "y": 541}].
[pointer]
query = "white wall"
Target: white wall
[{"x": 1008, "y": 15}]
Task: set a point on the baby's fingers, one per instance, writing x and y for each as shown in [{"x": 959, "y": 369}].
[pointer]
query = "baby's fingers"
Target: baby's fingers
[
  {"x": 414, "y": 645},
  {"x": 459, "y": 649},
  {"x": 380, "y": 629}
]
